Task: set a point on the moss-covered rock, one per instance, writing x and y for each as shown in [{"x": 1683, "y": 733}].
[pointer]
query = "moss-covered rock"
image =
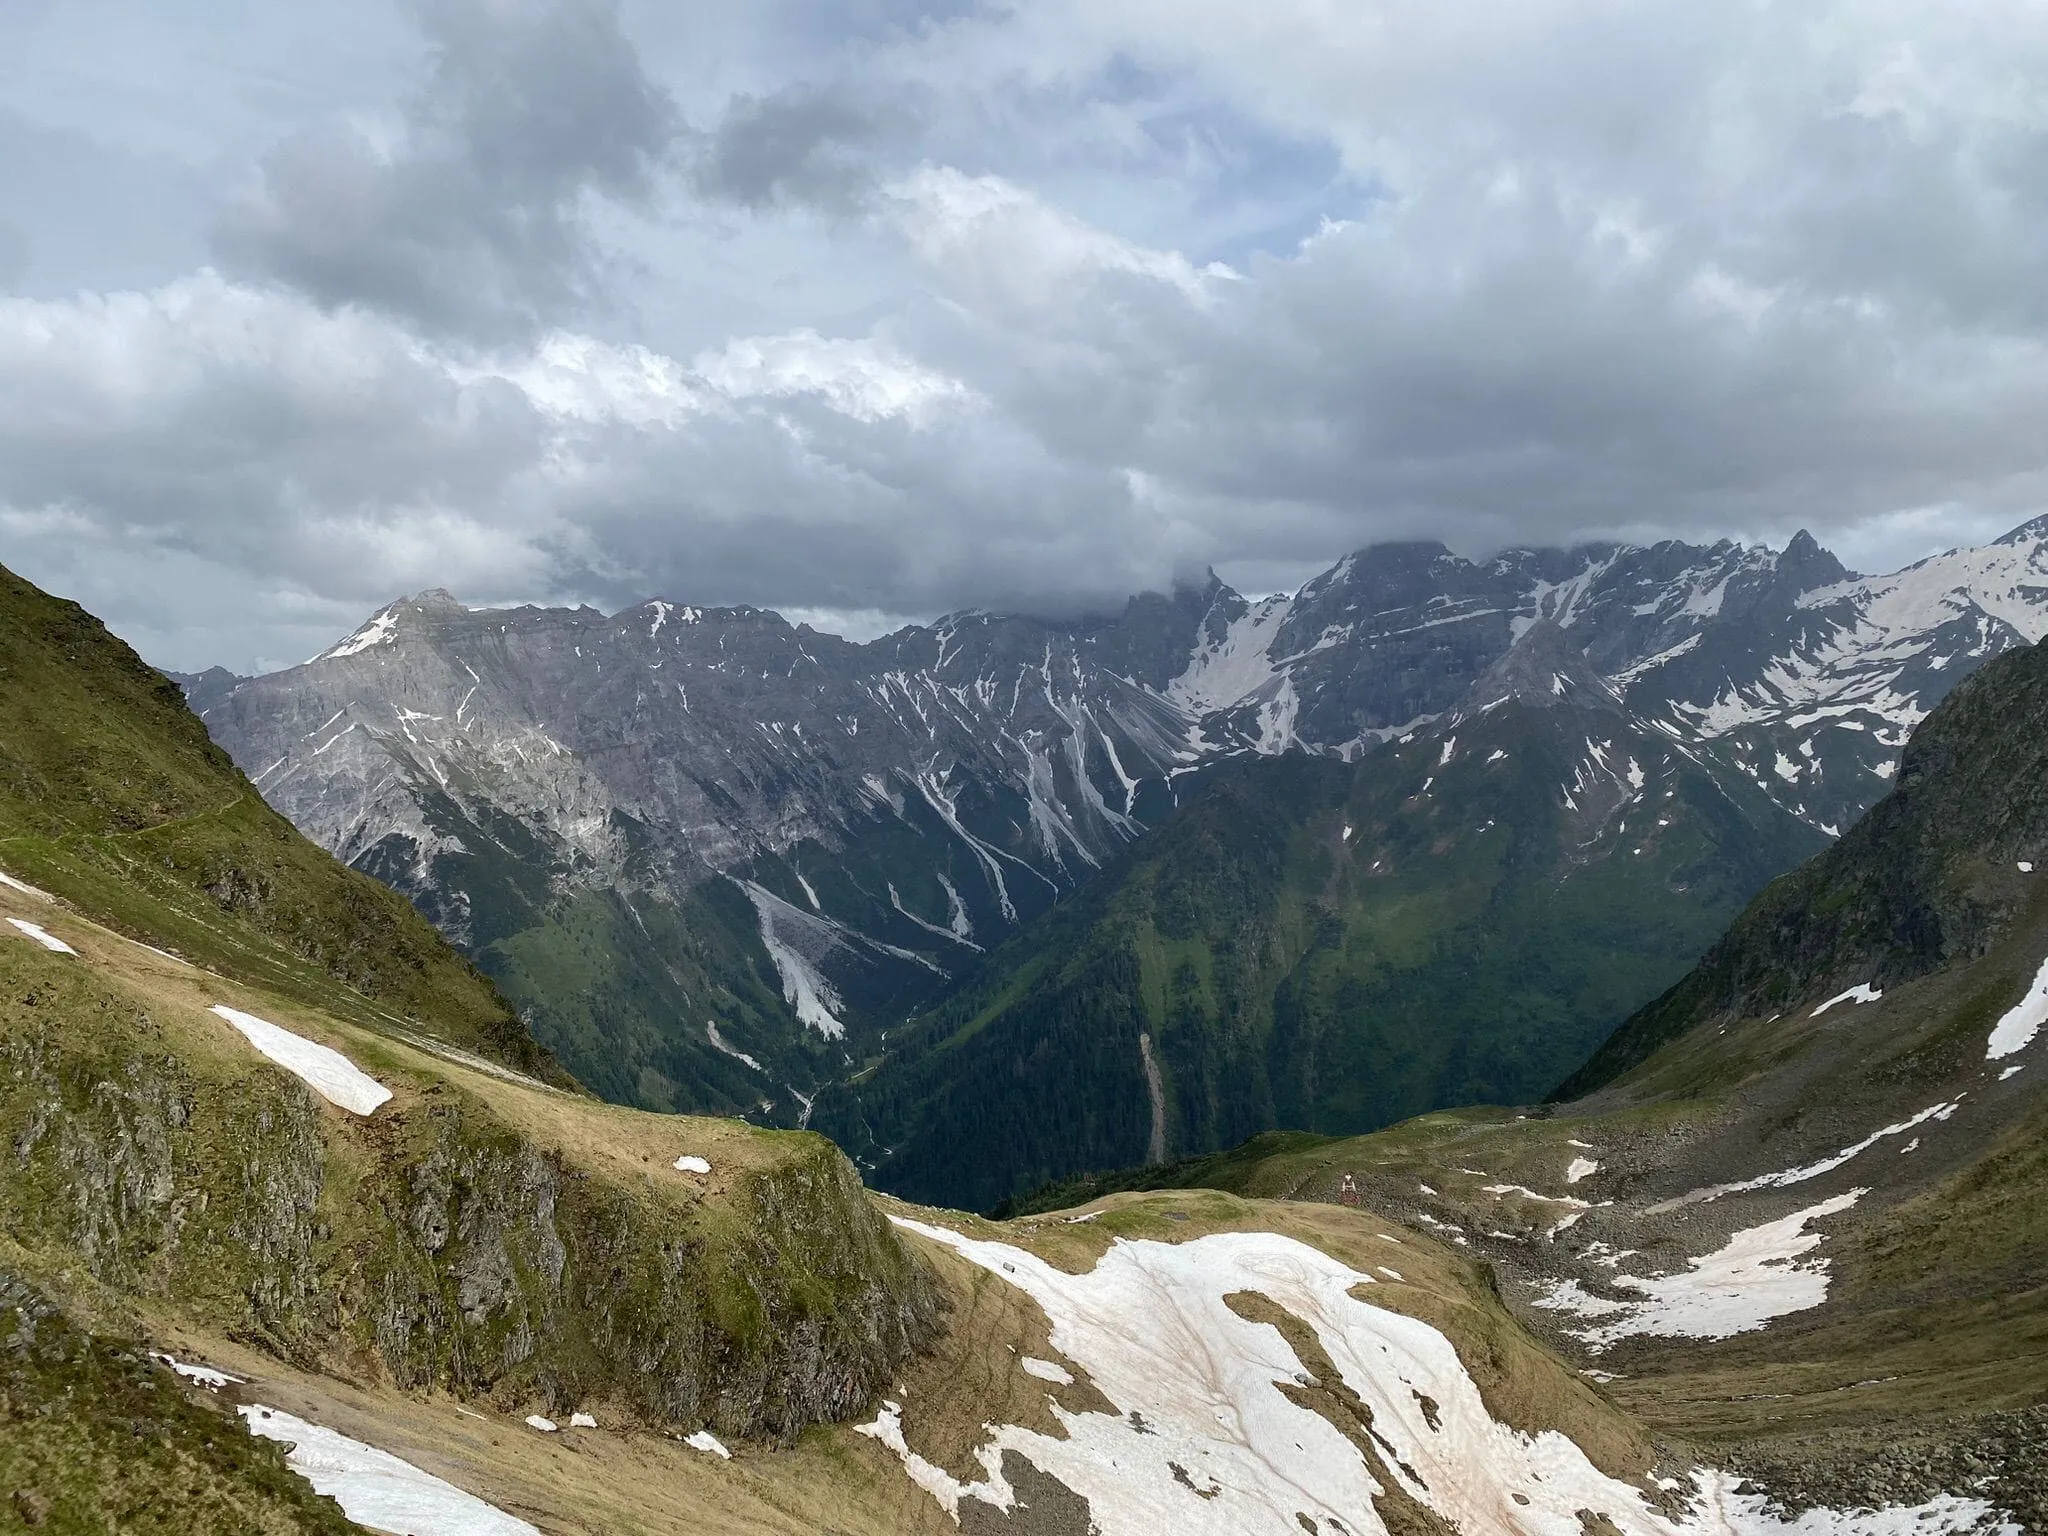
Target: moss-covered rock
[{"x": 437, "y": 1245}]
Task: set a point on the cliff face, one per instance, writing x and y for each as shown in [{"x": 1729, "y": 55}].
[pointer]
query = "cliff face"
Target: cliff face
[{"x": 439, "y": 1244}]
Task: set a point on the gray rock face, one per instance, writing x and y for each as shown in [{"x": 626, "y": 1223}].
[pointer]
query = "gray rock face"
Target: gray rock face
[{"x": 714, "y": 856}]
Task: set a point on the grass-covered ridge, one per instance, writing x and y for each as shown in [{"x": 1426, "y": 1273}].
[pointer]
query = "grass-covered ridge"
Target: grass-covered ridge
[
  {"x": 1928, "y": 877},
  {"x": 476, "y": 1235},
  {"x": 113, "y": 797}
]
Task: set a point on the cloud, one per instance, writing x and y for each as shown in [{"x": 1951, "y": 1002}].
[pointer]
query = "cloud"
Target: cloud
[
  {"x": 802, "y": 146},
  {"x": 465, "y": 212},
  {"x": 316, "y": 461},
  {"x": 1032, "y": 306}
]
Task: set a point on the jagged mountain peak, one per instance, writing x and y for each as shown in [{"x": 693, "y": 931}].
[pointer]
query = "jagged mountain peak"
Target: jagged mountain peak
[
  {"x": 1544, "y": 669},
  {"x": 1813, "y": 564}
]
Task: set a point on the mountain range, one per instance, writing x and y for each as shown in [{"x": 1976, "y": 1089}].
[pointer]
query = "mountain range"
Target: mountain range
[
  {"x": 1792, "y": 1211},
  {"x": 719, "y": 862}
]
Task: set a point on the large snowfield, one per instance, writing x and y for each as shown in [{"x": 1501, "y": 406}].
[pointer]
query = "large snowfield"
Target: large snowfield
[{"x": 1205, "y": 1443}]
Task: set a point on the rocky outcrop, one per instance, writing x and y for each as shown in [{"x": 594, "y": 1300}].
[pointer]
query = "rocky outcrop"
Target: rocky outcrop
[{"x": 439, "y": 1246}]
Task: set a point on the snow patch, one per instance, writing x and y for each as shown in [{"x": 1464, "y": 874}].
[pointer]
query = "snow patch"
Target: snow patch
[
  {"x": 375, "y": 1488},
  {"x": 1221, "y": 674},
  {"x": 323, "y": 1069},
  {"x": 201, "y": 1375},
  {"x": 1738, "y": 1288},
  {"x": 582, "y": 1421},
  {"x": 1580, "y": 1168},
  {"x": 24, "y": 887},
  {"x": 1045, "y": 1370},
  {"x": 1197, "y": 1389},
  {"x": 43, "y": 936},
  {"x": 705, "y": 1441},
  {"x": 2021, "y": 1022},
  {"x": 1862, "y": 992},
  {"x": 688, "y": 1164}
]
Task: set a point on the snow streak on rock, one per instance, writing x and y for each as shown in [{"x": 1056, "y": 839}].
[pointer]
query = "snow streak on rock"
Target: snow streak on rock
[
  {"x": 1862, "y": 992},
  {"x": 804, "y": 987},
  {"x": 1789, "y": 1176},
  {"x": 2015, "y": 1031}
]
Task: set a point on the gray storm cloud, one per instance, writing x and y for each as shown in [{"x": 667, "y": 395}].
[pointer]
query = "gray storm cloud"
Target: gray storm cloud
[
  {"x": 991, "y": 309},
  {"x": 465, "y": 211}
]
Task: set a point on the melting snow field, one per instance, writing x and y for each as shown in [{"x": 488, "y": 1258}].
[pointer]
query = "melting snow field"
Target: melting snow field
[
  {"x": 2015, "y": 1031},
  {"x": 326, "y": 1071},
  {"x": 375, "y": 1488},
  {"x": 1738, "y": 1288},
  {"x": 42, "y": 936},
  {"x": 1221, "y": 1449},
  {"x": 1206, "y": 1442}
]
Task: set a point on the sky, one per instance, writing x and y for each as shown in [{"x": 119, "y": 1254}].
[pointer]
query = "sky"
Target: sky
[{"x": 870, "y": 310}]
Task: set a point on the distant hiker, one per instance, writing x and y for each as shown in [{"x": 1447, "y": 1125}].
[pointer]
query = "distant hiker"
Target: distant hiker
[{"x": 1347, "y": 1192}]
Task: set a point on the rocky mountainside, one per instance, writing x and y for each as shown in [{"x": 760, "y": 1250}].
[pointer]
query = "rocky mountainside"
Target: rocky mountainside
[
  {"x": 1457, "y": 917},
  {"x": 713, "y": 857},
  {"x": 253, "y": 1104}
]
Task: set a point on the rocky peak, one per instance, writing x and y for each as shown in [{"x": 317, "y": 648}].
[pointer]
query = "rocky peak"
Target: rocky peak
[
  {"x": 1542, "y": 669},
  {"x": 1810, "y": 565}
]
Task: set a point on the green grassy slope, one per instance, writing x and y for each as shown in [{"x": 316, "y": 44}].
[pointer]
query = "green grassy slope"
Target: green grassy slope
[
  {"x": 113, "y": 797},
  {"x": 95, "y": 1436},
  {"x": 620, "y": 981},
  {"x": 1928, "y": 877},
  {"x": 484, "y": 1235},
  {"x": 1322, "y": 946}
]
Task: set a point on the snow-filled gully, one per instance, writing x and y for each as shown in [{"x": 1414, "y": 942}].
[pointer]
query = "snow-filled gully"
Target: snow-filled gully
[{"x": 1207, "y": 1442}]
